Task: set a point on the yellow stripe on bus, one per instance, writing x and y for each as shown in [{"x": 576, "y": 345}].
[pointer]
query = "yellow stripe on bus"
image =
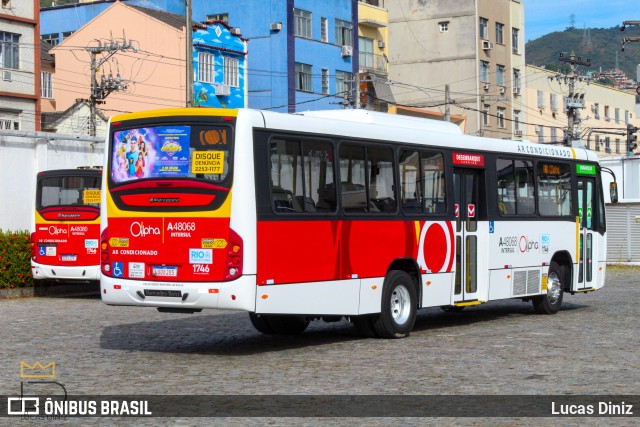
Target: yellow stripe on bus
[
  {"x": 573, "y": 152},
  {"x": 577, "y": 238},
  {"x": 176, "y": 112},
  {"x": 417, "y": 224}
]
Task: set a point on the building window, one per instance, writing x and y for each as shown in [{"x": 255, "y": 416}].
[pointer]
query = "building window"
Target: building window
[
  {"x": 52, "y": 39},
  {"x": 596, "y": 111},
  {"x": 540, "y": 131},
  {"x": 597, "y": 142},
  {"x": 324, "y": 30},
  {"x": 516, "y": 78},
  {"x": 344, "y": 32},
  {"x": 9, "y": 50},
  {"x": 499, "y": 33},
  {"x": 302, "y": 23},
  {"x": 325, "y": 80},
  {"x": 67, "y": 34},
  {"x": 485, "y": 114},
  {"x": 6, "y": 4},
  {"x": 484, "y": 71},
  {"x": 515, "y": 40},
  {"x": 9, "y": 121},
  {"x": 231, "y": 74},
  {"x": 206, "y": 63},
  {"x": 516, "y": 120},
  {"x": 500, "y": 75},
  {"x": 365, "y": 45},
  {"x": 343, "y": 82},
  {"x": 501, "y": 117},
  {"x": 304, "y": 74},
  {"x": 618, "y": 146},
  {"x": 617, "y": 115},
  {"x": 224, "y": 17},
  {"x": 540, "y": 99},
  {"x": 46, "y": 87},
  {"x": 607, "y": 144},
  {"x": 484, "y": 28},
  {"x": 554, "y": 134},
  {"x": 444, "y": 26},
  {"x": 553, "y": 102},
  {"x": 606, "y": 113},
  {"x": 626, "y": 117}
]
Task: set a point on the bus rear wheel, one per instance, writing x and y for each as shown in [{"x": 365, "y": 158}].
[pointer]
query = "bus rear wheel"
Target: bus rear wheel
[
  {"x": 399, "y": 305},
  {"x": 550, "y": 302},
  {"x": 364, "y": 325},
  {"x": 279, "y": 325}
]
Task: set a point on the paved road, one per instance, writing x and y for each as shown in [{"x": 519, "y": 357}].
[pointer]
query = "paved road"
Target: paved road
[{"x": 590, "y": 347}]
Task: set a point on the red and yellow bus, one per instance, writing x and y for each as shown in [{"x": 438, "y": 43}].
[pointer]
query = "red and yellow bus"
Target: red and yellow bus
[
  {"x": 66, "y": 233},
  {"x": 368, "y": 216}
]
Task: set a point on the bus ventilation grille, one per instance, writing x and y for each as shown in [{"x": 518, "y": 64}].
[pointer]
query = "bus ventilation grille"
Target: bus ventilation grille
[{"x": 526, "y": 282}]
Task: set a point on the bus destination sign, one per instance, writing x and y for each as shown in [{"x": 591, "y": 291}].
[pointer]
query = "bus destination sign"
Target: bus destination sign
[
  {"x": 468, "y": 159},
  {"x": 582, "y": 169}
]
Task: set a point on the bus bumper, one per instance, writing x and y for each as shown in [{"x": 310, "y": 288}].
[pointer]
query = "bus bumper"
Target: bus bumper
[
  {"x": 65, "y": 273},
  {"x": 239, "y": 294}
]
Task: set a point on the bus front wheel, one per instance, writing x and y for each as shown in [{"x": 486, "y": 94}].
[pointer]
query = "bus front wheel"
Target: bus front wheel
[
  {"x": 398, "y": 308},
  {"x": 550, "y": 302}
]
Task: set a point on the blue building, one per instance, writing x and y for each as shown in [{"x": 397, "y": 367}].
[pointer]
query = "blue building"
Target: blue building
[
  {"x": 303, "y": 54},
  {"x": 219, "y": 64}
]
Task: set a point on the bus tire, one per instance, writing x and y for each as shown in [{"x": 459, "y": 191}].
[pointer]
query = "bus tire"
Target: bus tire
[
  {"x": 261, "y": 323},
  {"x": 288, "y": 325},
  {"x": 364, "y": 325},
  {"x": 550, "y": 302},
  {"x": 398, "y": 306}
]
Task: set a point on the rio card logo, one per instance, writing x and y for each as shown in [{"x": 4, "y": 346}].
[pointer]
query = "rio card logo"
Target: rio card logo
[{"x": 138, "y": 229}]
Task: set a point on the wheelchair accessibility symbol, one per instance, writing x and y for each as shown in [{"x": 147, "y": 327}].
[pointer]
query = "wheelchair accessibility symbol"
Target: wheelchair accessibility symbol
[
  {"x": 118, "y": 269},
  {"x": 42, "y": 251}
]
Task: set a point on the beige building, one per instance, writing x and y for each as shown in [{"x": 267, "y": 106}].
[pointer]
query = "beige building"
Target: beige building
[
  {"x": 603, "y": 120},
  {"x": 474, "y": 46},
  {"x": 373, "y": 59}
]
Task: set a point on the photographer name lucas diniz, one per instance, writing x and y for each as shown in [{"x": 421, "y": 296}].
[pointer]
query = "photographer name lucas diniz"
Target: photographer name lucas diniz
[
  {"x": 566, "y": 153},
  {"x": 602, "y": 408}
]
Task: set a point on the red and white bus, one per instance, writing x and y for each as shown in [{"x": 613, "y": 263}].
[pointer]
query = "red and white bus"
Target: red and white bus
[
  {"x": 66, "y": 233},
  {"x": 369, "y": 216}
]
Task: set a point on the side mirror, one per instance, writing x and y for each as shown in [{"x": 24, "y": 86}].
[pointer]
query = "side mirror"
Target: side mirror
[{"x": 613, "y": 192}]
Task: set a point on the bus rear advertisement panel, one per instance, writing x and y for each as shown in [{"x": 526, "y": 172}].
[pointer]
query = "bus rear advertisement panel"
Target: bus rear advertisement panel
[{"x": 356, "y": 214}]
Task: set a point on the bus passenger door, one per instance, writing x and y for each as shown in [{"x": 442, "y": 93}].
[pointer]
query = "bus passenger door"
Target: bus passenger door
[
  {"x": 587, "y": 204},
  {"x": 468, "y": 207}
]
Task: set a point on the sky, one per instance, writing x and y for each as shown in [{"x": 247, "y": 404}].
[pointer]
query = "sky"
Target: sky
[{"x": 546, "y": 16}]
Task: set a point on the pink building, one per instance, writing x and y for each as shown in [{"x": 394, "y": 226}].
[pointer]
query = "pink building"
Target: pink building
[{"x": 152, "y": 68}]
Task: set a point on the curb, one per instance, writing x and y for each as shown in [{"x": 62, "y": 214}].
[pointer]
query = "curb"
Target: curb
[{"x": 52, "y": 290}]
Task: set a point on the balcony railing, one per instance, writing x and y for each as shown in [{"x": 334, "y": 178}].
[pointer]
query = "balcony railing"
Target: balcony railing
[{"x": 369, "y": 61}]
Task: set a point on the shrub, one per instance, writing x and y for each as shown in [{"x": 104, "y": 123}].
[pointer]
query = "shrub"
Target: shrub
[{"x": 15, "y": 259}]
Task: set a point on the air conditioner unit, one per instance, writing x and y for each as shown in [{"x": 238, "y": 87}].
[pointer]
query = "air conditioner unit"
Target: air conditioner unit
[
  {"x": 6, "y": 76},
  {"x": 518, "y": 132},
  {"x": 276, "y": 26},
  {"x": 347, "y": 51},
  {"x": 223, "y": 90},
  {"x": 487, "y": 45},
  {"x": 235, "y": 31},
  {"x": 502, "y": 90},
  {"x": 516, "y": 90},
  {"x": 381, "y": 44},
  {"x": 486, "y": 86}
]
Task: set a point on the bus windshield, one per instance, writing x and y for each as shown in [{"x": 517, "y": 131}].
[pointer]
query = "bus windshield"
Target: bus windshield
[
  {"x": 170, "y": 152},
  {"x": 68, "y": 190}
]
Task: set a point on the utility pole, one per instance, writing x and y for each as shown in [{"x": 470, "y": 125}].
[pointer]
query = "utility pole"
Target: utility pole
[
  {"x": 447, "y": 101},
  {"x": 575, "y": 101},
  {"x": 99, "y": 91},
  {"x": 189, "y": 53}
]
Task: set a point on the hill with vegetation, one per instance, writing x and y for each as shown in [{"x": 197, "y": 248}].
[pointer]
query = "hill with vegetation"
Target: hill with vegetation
[{"x": 598, "y": 44}]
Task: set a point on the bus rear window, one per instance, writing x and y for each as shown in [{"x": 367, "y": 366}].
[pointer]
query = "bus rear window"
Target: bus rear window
[
  {"x": 172, "y": 151},
  {"x": 68, "y": 190}
]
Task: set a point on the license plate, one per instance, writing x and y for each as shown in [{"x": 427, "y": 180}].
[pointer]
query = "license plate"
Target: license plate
[
  {"x": 69, "y": 257},
  {"x": 162, "y": 293},
  {"x": 165, "y": 271}
]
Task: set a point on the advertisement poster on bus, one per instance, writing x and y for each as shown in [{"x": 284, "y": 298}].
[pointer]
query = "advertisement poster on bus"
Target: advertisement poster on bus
[{"x": 153, "y": 152}]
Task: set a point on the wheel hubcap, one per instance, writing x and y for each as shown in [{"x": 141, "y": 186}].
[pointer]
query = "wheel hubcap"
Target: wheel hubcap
[
  {"x": 554, "y": 288},
  {"x": 400, "y": 304}
]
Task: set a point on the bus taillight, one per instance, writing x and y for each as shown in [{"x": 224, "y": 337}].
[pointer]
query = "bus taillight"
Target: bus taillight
[
  {"x": 104, "y": 253},
  {"x": 234, "y": 256}
]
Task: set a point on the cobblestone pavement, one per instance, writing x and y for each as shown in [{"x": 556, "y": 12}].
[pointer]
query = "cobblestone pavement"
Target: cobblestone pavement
[{"x": 590, "y": 347}]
